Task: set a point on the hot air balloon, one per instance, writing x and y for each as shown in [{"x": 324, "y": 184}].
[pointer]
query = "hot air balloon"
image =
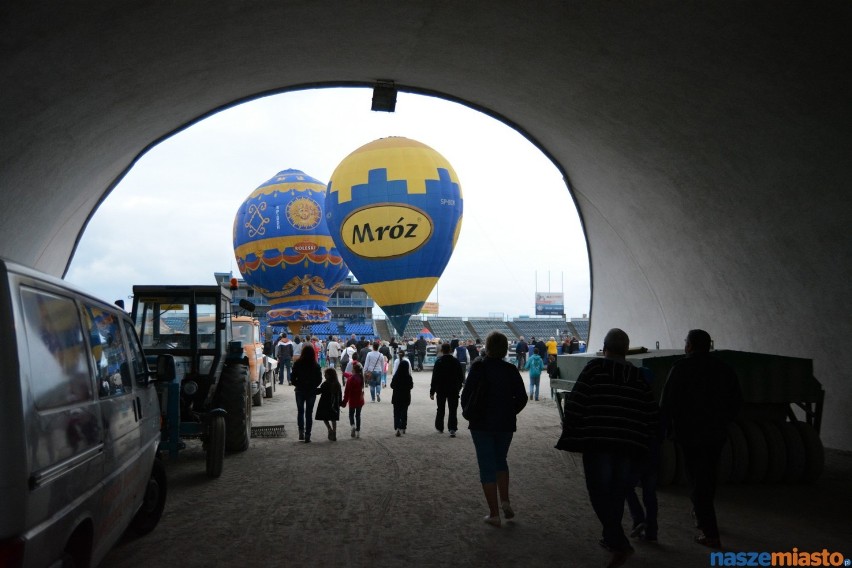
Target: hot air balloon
[
  {"x": 394, "y": 208},
  {"x": 284, "y": 250}
]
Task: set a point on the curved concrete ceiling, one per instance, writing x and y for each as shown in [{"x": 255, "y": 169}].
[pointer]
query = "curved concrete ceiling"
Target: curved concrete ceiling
[{"x": 707, "y": 144}]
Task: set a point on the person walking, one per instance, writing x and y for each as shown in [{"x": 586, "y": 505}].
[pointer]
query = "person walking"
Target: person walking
[
  {"x": 552, "y": 348},
  {"x": 521, "y": 350},
  {"x": 353, "y": 395},
  {"x": 401, "y": 383},
  {"x": 307, "y": 376},
  {"x": 284, "y": 355},
  {"x": 328, "y": 408},
  {"x": 420, "y": 352},
  {"x": 610, "y": 416},
  {"x": 494, "y": 394},
  {"x": 700, "y": 399},
  {"x": 461, "y": 354},
  {"x": 447, "y": 379},
  {"x": 332, "y": 350},
  {"x": 373, "y": 364},
  {"x": 534, "y": 365}
]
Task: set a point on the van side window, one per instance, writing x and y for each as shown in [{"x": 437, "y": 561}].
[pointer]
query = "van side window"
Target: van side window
[
  {"x": 57, "y": 353},
  {"x": 112, "y": 369},
  {"x": 137, "y": 357}
]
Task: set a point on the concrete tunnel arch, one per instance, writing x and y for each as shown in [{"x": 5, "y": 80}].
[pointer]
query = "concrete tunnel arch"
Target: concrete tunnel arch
[{"x": 707, "y": 144}]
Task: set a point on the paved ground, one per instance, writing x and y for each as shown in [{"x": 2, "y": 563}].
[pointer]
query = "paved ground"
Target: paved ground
[{"x": 416, "y": 501}]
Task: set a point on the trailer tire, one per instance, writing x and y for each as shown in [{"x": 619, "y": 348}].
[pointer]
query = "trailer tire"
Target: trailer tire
[
  {"x": 668, "y": 463},
  {"x": 739, "y": 454},
  {"x": 814, "y": 452},
  {"x": 216, "y": 446},
  {"x": 777, "y": 451},
  {"x": 796, "y": 455},
  {"x": 726, "y": 462},
  {"x": 758, "y": 451},
  {"x": 234, "y": 397}
]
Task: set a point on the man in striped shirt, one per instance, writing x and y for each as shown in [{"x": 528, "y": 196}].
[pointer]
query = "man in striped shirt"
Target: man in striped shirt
[{"x": 610, "y": 416}]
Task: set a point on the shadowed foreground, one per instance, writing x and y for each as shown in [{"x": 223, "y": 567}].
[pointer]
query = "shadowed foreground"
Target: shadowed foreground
[{"x": 416, "y": 501}]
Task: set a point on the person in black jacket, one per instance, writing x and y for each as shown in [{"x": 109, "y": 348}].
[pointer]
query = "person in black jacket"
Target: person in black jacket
[
  {"x": 306, "y": 378},
  {"x": 401, "y": 384},
  {"x": 611, "y": 417},
  {"x": 447, "y": 379},
  {"x": 701, "y": 397},
  {"x": 496, "y": 390}
]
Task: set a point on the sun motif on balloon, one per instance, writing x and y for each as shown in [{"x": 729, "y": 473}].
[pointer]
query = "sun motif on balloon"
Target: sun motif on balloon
[{"x": 304, "y": 213}]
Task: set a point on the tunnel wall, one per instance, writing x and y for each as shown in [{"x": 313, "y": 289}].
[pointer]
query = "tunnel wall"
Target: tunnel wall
[{"x": 707, "y": 145}]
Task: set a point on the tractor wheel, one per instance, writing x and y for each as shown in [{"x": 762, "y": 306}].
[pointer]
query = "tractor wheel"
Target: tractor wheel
[
  {"x": 153, "y": 503},
  {"x": 815, "y": 461},
  {"x": 796, "y": 455},
  {"x": 257, "y": 398},
  {"x": 234, "y": 391},
  {"x": 216, "y": 446},
  {"x": 777, "y": 451}
]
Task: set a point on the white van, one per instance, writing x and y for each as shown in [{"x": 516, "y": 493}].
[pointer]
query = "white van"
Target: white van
[{"x": 79, "y": 426}]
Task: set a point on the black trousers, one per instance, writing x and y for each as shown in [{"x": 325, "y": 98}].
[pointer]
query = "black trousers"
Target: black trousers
[
  {"x": 400, "y": 416},
  {"x": 445, "y": 401},
  {"x": 702, "y": 464}
]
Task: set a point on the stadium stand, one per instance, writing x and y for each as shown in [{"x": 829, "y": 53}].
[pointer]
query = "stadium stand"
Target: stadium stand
[
  {"x": 323, "y": 330},
  {"x": 359, "y": 329},
  {"x": 444, "y": 328},
  {"x": 482, "y": 327},
  {"x": 581, "y": 326},
  {"x": 412, "y": 329},
  {"x": 540, "y": 328}
]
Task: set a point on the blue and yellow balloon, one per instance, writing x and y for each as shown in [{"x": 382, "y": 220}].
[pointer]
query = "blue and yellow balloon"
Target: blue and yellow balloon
[
  {"x": 284, "y": 250},
  {"x": 394, "y": 209}
]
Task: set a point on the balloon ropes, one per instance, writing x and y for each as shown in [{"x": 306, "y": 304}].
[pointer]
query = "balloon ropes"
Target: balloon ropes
[
  {"x": 394, "y": 208},
  {"x": 284, "y": 250}
]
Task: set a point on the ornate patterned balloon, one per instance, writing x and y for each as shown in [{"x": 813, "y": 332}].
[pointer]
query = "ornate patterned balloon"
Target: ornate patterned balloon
[
  {"x": 284, "y": 250},
  {"x": 394, "y": 208}
]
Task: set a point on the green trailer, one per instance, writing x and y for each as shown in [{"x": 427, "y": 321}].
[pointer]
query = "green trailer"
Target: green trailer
[{"x": 776, "y": 436}]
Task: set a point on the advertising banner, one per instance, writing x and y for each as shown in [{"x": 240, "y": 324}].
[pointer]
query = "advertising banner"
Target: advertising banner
[
  {"x": 549, "y": 304},
  {"x": 429, "y": 308}
]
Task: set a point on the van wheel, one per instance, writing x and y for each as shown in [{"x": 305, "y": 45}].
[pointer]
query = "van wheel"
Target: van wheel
[
  {"x": 216, "y": 446},
  {"x": 153, "y": 503},
  {"x": 234, "y": 397}
]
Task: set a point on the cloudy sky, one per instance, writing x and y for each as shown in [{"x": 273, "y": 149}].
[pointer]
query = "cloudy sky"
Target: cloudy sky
[{"x": 170, "y": 219}]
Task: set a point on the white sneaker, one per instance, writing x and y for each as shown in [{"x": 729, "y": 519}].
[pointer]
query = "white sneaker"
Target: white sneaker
[
  {"x": 398, "y": 433},
  {"x": 357, "y": 433},
  {"x": 452, "y": 433}
]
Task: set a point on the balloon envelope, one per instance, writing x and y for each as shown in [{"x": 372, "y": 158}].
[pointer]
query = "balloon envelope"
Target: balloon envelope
[
  {"x": 394, "y": 208},
  {"x": 284, "y": 250}
]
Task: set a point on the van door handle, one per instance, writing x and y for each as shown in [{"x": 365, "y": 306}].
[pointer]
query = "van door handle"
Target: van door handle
[{"x": 137, "y": 407}]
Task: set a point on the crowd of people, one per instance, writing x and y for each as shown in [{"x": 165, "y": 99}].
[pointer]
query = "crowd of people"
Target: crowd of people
[{"x": 610, "y": 417}]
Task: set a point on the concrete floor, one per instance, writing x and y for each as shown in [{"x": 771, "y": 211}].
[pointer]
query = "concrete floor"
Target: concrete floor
[{"x": 416, "y": 501}]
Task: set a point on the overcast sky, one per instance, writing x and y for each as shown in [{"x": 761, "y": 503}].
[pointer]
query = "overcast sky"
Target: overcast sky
[{"x": 170, "y": 219}]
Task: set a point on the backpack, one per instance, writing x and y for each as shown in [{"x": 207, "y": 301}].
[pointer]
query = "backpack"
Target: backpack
[
  {"x": 461, "y": 354},
  {"x": 345, "y": 358}
]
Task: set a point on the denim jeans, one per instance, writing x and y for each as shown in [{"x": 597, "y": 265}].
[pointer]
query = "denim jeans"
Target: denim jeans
[
  {"x": 305, "y": 406},
  {"x": 355, "y": 417},
  {"x": 400, "y": 416},
  {"x": 282, "y": 365},
  {"x": 375, "y": 389},
  {"x": 492, "y": 448},
  {"x": 648, "y": 473},
  {"x": 447, "y": 401},
  {"x": 534, "y": 382},
  {"x": 608, "y": 477},
  {"x": 701, "y": 464}
]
